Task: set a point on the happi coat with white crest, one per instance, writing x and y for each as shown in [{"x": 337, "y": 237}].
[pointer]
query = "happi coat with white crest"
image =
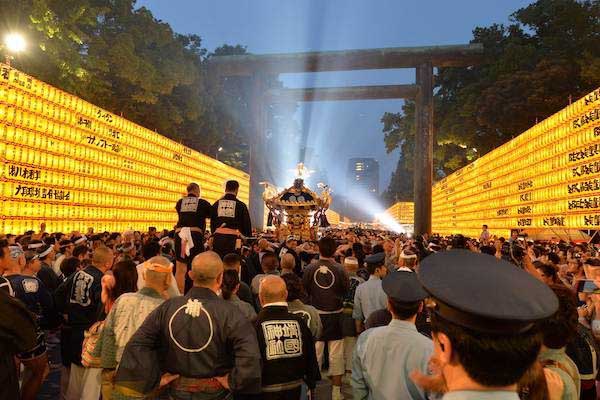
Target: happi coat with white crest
[{"x": 198, "y": 335}]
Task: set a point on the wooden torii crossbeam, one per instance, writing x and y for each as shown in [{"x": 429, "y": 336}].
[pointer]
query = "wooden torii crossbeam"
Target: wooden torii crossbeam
[
  {"x": 347, "y": 60},
  {"x": 344, "y": 93},
  {"x": 423, "y": 59}
]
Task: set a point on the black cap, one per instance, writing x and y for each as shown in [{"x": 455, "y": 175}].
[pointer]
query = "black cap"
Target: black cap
[
  {"x": 377, "y": 258},
  {"x": 403, "y": 286},
  {"x": 481, "y": 292}
]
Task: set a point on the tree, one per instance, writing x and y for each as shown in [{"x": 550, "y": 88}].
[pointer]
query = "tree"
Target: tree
[
  {"x": 548, "y": 54},
  {"x": 232, "y": 120},
  {"x": 56, "y": 32},
  {"x": 123, "y": 59}
]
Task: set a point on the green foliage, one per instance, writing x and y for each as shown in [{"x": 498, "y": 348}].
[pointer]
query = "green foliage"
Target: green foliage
[
  {"x": 123, "y": 59},
  {"x": 548, "y": 54}
]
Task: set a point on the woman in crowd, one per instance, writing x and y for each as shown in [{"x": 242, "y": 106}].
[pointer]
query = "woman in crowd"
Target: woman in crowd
[
  {"x": 229, "y": 290},
  {"x": 557, "y": 331},
  {"x": 123, "y": 280},
  {"x": 548, "y": 273}
]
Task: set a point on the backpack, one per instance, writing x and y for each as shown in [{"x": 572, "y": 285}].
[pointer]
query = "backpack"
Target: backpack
[{"x": 90, "y": 338}]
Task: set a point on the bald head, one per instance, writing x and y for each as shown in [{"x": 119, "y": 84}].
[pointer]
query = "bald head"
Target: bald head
[
  {"x": 158, "y": 278},
  {"x": 263, "y": 244},
  {"x": 272, "y": 289},
  {"x": 207, "y": 269},
  {"x": 102, "y": 258},
  {"x": 288, "y": 262},
  {"x": 159, "y": 260}
]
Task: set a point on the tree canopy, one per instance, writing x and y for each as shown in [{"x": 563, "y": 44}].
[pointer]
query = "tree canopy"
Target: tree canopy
[
  {"x": 122, "y": 58},
  {"x": 531, "y": 68}
]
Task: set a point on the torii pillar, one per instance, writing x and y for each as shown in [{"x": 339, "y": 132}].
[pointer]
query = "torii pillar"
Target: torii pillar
[
  {"x": 424, "y": 136},
  {"x": 258, "y": 145}
]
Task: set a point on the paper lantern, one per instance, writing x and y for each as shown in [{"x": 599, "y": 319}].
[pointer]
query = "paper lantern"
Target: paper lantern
[{"x": 90, "y": 157}]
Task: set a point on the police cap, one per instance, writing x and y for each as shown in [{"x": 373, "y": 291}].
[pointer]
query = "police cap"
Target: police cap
[
  {"x": 377, "y": 258},
  {"x": 481, "y": 292},
  {"x": 403, "y": 286}
]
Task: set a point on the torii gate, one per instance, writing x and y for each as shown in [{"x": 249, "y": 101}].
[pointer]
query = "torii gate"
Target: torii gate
[{"x": 423, "y": 59}]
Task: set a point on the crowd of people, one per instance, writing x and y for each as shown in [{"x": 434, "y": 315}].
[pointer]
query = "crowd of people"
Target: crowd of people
[{"x": 230, "y": 313}]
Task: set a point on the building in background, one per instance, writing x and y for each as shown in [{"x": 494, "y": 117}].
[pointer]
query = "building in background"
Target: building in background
[{"x": 362, "y": 176}]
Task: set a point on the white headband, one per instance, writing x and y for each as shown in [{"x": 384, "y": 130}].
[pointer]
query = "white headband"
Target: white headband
[
  {"x": 35, "y": 245},
  {"x": 350, "y": 261},
  {"x": 15, "y": 251},
  {"x": 165, "y": 240},
  {"x": 406, "y": 256},
  {"x": 45, "y": 252},
  {"x": 81, "y": 240}
]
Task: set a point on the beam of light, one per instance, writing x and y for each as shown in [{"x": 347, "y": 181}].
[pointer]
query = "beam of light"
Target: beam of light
[
  {"x": 389, "y": 222},
  {"x": 371, "y": 205},
  {"x": 15, "y": 42}
]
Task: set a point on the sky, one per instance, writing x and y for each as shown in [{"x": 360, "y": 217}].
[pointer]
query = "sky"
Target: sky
[{"x": 336, "y": 130}]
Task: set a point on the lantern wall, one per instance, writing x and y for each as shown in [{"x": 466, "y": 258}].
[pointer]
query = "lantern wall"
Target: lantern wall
[
  {"x": 73, "y": 165},
  {"x": 403, "y": 212},
  {"x": 546, "y": 178},
  {"x": 333, "y": 217}
]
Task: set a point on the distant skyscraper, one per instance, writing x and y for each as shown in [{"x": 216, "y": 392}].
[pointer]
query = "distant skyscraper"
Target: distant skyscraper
[{"x": 363, "y": 176}]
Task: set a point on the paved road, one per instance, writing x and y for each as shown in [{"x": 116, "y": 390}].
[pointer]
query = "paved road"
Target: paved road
[{"x": 51, "y": 387}]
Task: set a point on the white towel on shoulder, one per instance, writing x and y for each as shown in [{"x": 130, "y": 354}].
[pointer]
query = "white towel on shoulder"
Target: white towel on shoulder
[{"x": 187, "y": 243}]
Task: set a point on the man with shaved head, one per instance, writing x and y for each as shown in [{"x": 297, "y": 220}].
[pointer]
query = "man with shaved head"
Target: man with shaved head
[
  {"x": 198, "y": 344},
  {"x": 286, "y": 343}
]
